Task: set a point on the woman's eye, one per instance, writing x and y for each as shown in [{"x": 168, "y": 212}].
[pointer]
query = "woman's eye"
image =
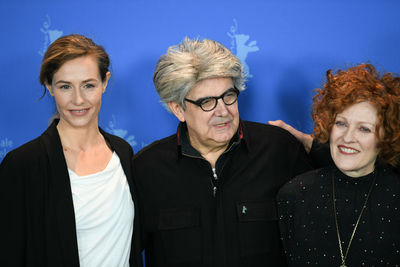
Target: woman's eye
[
  {"x": 340, "y": 123},
  {"x": 365, "y": 129},
  {"x": 88, "y": 85},
  {"x": 65, "y": 86}
]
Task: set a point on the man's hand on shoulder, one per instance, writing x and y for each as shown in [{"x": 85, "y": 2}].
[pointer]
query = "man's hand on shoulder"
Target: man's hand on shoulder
[{"x": 306, "y": 139}]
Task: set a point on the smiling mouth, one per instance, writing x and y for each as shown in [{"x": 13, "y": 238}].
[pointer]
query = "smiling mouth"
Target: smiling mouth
[
  {"x": 347, "y": 150},
  {"x": 79, "y": 111},
  {"x": 222, "y": 124}
]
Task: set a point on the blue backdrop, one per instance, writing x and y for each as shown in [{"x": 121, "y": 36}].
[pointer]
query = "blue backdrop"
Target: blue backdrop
[{"x": 286, "y": 46}]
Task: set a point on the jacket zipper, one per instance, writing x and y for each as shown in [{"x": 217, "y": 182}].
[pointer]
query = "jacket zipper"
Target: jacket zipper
[
  {"x": 215, "y": 176},
  {"x": 214, "y": 179}
]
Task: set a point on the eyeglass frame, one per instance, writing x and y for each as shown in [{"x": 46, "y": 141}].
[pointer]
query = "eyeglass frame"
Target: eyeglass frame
[{"x": 199, "y": 101}]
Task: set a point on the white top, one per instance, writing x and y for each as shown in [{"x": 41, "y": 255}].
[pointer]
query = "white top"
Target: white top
[{"x": 104, "y": 215}]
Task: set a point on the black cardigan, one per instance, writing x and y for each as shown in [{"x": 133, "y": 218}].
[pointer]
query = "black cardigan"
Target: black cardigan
[{"x": 38, "y": 222}]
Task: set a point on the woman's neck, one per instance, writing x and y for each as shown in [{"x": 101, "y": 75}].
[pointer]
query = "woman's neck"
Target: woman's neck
[
  {"x": 85, "y": 149},
  {"x": 79, "y": 139}
]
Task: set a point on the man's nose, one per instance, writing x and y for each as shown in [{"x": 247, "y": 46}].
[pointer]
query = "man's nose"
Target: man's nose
[{"x": 221, "y": 108}]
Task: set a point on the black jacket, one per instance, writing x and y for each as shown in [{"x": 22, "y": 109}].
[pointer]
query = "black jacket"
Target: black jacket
[
  {"x": 38, "y": 221},
  {"x": 184, "y": 224}
]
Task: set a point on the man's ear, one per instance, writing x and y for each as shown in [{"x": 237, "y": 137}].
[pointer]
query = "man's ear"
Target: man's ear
[
  {"x": 177, "y": 110},
  {"x": 48, "y": 86}
]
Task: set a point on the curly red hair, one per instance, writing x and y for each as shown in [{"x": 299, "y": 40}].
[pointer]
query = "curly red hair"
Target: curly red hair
[{"x": 359, "y": 84}]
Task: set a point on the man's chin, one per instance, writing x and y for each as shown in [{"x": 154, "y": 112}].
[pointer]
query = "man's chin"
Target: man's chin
[{"x": 223, "y": 139}]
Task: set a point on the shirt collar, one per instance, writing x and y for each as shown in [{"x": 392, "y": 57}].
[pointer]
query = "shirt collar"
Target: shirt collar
[{"x": 186, "y": 148}]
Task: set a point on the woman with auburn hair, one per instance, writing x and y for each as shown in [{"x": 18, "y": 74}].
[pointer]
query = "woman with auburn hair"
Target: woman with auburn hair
[
  {"x": 67, "y": 197},
  {"x": 348, "y": 214}
]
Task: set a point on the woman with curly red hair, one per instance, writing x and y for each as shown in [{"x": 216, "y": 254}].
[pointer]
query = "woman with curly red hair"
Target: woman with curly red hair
[{"x": 348, "y": 214}]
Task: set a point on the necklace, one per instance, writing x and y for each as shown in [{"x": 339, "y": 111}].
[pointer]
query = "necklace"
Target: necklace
[{"x": 355, "y": 227}]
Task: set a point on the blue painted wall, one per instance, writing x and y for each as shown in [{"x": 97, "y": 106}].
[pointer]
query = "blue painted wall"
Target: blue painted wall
[{"x": 287, "y": 45}]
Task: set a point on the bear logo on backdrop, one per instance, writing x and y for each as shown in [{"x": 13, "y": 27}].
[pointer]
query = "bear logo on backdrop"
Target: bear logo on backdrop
[
  {"x": 50, "y": 35},
  {"x": 239, "y": 45},
  {"x": 5, "y": 146},
  {"x": 242, "y": 48},
  {"x": 122, "y": 133}
]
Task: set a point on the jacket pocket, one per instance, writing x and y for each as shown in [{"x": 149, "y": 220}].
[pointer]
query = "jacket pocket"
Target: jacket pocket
[
  {"x": 258, "y": 226},
  {"x": 180, "y": 233}
]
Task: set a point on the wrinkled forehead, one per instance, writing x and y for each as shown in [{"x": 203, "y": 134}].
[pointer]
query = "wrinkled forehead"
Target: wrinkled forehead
[{"x": 210, "y": 87}]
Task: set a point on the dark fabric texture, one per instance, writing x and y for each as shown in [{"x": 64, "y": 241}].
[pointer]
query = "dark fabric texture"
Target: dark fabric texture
[
  {"x": 38, "y": 223},
  {"x": 185, "y": 224},
  {"x": 307, "y": 221},
  {"x": 320, "y": 155}
]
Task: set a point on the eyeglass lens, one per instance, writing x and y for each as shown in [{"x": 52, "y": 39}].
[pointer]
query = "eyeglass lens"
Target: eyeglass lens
[{"x": 228, "y": 98}]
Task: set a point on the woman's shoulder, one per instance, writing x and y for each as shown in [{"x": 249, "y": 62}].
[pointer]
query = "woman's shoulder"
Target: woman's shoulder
[
  {"x": 389, "y": 176},
  {"x": 306, "y": 183},
  {"x": 116, "y": 142},
  {"x": 26, "y": 151},
  {"x": 24, "y": 157}
]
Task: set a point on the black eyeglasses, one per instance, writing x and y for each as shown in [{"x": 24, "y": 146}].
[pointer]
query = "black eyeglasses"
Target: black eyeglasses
[{"x": 210, "y": 102}]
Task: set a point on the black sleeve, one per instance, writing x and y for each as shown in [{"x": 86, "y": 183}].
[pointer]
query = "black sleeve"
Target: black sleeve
[
  {"x": 12, "y": 200},
  {"x": 143, "y": 238},
  {"x": 286, "y": 211},
  {"x": 320, "y": 154},
  {"x": 303, "y": 162}
]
